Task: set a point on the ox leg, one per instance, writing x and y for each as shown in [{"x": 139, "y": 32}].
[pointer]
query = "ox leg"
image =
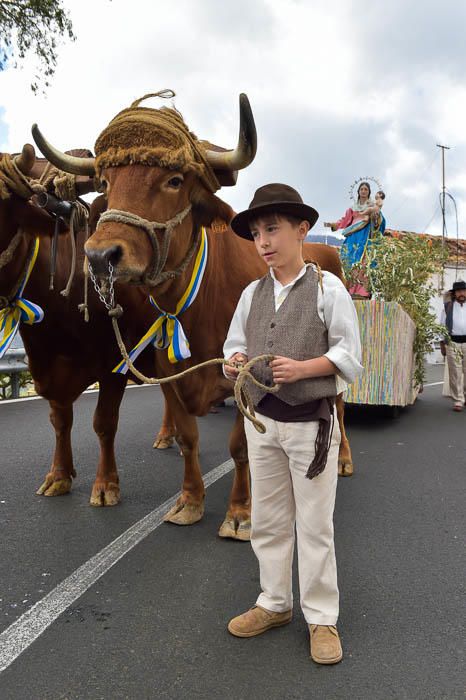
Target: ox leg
[
  {"x": 58, "y": 480},
  {"x": 189, "y": 507},
  {"x": 237, "y": 523},
  {"x": 345, "y": 460},
  {"x": 167, "y": 432},
  {"x": 106, "y": 488}
]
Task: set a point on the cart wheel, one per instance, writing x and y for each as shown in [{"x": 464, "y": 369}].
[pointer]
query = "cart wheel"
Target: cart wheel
[{"x": 394, "y": 411}]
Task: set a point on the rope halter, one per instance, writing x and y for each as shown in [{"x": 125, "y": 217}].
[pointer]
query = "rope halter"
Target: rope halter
[{"x": 156, "y": 274}]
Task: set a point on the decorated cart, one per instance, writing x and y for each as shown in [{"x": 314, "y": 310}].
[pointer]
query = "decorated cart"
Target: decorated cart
[
  {"x": 389, "y": 274},
  {"x": 387, "y": 338}
]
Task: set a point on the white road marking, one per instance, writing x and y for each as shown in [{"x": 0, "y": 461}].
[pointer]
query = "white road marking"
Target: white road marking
[
  {"x": 432, "y": 384},
  {"x": 27, "y": 628}
]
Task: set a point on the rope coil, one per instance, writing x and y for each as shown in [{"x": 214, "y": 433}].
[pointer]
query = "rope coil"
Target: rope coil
[
  {"x": 156, "y": 274},
  {"x": 242, "y": 397}
]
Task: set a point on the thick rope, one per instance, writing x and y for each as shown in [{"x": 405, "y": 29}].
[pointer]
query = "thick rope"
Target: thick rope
[
  {"x": 156, "y": 274},
  {"x": 13, "y": 180},
  {"x": 79, "y": 220},
  {"x": 64, "y": 185},
  {"x": 84, "y": 307},
  {"x": 318, "y": 270},
  {"x": 5, "y": 258},
  {"x": 242, "y": 397}
]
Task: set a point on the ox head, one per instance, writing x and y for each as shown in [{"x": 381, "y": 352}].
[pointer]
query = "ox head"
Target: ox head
[{"x": 153, "y": 169}]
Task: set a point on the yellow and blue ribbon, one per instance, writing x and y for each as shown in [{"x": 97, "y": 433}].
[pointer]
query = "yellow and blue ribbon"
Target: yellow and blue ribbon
[
  {"x": 19, "y": 310},
  {"x": 167, "y": 331}
]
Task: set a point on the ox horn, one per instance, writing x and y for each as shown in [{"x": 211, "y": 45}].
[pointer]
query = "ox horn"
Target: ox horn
[
  {"x": 245, "y": 151},
  {"x": 70, "y": 164},
  {"x": 26, "y": 159}
]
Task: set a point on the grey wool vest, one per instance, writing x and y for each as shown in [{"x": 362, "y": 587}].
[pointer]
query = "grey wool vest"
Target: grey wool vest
[{"x": 294, "y": 331}]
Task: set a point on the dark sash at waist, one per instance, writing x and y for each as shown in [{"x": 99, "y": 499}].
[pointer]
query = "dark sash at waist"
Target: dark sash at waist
[
  {"x": 276, "y": 409},
  {"x": 458, "y": 338}
]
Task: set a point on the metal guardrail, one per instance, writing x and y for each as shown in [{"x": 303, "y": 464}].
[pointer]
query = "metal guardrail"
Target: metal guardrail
[{"x": 13, "y": 363}]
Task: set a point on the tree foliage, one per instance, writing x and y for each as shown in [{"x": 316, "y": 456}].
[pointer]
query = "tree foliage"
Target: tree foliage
[
  {"x": 401, "y": 269},
  {"x": 33, "y": 26}
]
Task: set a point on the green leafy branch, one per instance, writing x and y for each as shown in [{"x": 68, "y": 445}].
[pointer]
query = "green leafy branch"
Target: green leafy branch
[
  {"x": 401, "y": 270},
  {"x": 5, "y": 383},
  {"x": 37, "y": 26}
]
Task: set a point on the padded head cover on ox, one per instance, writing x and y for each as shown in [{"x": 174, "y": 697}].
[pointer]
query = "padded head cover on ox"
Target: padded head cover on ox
[{"x": 153, "y": 137}]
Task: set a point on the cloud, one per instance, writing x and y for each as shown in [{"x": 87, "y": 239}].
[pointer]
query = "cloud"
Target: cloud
[{"x": 338, "y": 90}]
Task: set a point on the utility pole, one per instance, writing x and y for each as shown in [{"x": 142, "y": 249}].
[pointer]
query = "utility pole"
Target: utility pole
[{"x": 444, "y": 228}]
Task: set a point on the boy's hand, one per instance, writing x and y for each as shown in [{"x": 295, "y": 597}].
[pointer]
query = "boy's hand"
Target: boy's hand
[
  {"x": 232, "y": 371},
  {"x": 285, "y": 370}
]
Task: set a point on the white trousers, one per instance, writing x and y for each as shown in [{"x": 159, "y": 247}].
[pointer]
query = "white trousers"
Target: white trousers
[
  {"x": 282, "y": 500},
  {"x": 457, "y": 370}
]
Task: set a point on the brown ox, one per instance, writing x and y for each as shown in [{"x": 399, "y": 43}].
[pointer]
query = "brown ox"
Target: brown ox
[
  {"x": 155, "y": 193},
  {"x": 65, "y": 354}
]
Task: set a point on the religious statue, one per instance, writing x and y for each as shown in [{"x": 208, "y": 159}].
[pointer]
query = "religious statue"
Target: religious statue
[{"x": 360, "y": 225}]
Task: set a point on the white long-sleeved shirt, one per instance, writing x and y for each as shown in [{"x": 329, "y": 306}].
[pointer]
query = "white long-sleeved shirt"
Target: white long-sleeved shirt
[
  {"x": 459, "y": 319},
  {"x": 334, "y": 307}
]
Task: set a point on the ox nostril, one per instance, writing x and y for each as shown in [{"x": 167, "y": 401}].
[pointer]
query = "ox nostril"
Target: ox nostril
[
  {"x": 101, "y": 257},
  {"x": 113, "y": 254}
]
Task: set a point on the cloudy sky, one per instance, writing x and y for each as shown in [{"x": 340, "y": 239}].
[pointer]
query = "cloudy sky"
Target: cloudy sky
[{"x": 339, "y": 89}]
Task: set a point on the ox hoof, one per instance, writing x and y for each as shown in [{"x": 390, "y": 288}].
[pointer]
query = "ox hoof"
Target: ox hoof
[
  {"x": 235, "y": 530},
  {"x": 345, "y": 469},
  {"x": 185, "y": 513},
  {"x": 163, "y": 442},
  {"x": 105, "y": 495},
  {"x": 55, "y": 488}
]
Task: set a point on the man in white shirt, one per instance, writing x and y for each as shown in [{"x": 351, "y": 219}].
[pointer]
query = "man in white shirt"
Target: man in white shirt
[
  {"x": 453, "y": 316},
  {"x": 307, "y": 320}
]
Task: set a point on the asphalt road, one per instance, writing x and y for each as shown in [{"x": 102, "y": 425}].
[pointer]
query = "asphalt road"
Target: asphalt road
[{"x": 154, "y": 626}]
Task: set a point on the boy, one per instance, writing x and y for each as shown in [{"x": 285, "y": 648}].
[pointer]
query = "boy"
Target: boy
[{"x": 314, "y": 336}]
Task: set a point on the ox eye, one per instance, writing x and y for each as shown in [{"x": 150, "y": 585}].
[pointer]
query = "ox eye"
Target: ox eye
[{"x": 175, "y": 182}]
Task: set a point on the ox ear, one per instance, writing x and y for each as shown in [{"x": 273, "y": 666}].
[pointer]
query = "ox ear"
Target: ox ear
[
  {"x": 84, "y": 183},
  {"x": 98, "y": 206},
  {"x": 207, "y": 207}
]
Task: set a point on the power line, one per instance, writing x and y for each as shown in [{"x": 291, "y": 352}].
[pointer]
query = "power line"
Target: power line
[
  {"x": 424, "y": 230},
  {"x": 457, "y": 233}
]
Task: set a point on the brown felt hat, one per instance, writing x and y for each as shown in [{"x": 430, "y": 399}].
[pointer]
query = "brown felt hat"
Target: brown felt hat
[{"x": 273, "y": 199}]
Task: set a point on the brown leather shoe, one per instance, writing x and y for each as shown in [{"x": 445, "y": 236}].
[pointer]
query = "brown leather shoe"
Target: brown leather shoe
[
  {"x": 325, "y": 644},
  {"x": 257, "y": 620}
]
